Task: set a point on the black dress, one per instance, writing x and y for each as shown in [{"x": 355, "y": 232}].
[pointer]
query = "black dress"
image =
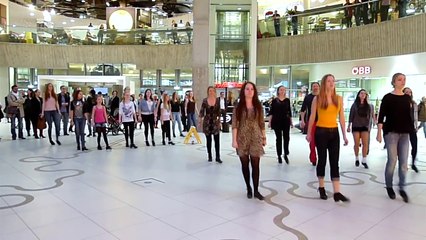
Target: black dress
[{"x": 280, "y": 123}]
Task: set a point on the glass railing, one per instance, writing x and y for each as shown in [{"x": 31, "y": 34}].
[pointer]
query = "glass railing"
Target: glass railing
[
  {"x": 72, "y": 36},
  {"x": 336, "y": 17}
]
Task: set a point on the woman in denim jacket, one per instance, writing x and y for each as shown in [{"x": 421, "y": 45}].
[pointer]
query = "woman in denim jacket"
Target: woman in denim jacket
[{"x": 148, "y": 113}]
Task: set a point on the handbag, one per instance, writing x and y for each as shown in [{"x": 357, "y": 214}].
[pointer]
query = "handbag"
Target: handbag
[
  {"x": 12, "y": 110},
  {"x": 41, "y": 123}
]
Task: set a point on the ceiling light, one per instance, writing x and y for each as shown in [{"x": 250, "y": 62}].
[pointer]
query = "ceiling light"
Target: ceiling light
[
  {"x": 239, "y": 8},
  {"x": 52, "y": 11},
  {"x": 146, "y": 9},
  {"x": 32, "y": 14},
  {"x": 154, "y": 10},
  {"x": 64, "y": 23},
  {"x": 72, "y": 20},
  {"x": 31, "y": 7},
  {"x": 107, "y": 3}
]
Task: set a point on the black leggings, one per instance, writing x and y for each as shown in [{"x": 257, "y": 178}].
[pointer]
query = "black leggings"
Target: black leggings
[
  {"x": 34, "y": 121},
  {"x": 216, "y": 144},
  {"x": 165, "y": 127},
  {"x": 148, "y": 120},
  {"x": 129, "y": 131},
  {"x": 28, "y": 123},
  {"x": 102, "y": 130},
  {"x": 328, "y": 139},
  {"x": 280, "y": 134},
  {"x": 413, "y": 141},
  {"x": 255, "y": 162}
]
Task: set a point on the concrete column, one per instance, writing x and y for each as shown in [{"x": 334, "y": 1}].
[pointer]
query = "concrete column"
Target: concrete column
[
  {"x": 141, "y": 78},
  {"x": 158, "y": 80},
  {"x": 201, "y": 78},
  {"x": 4, "y": 82},
  {"x": 177, "y": 77}
]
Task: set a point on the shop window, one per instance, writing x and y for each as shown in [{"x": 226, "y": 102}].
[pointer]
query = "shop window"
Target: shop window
[
  {"x": 149, "y": 78},
  {"x": 185, "y": 78},
  {"x": 75, "y": 69},
  {"x": 168, "y": 78}
]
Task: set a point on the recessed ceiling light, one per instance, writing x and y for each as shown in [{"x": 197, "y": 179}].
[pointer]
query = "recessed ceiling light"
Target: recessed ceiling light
[
  {"x": 239, "y": 8},
  {"x": 31, "y": 7},
  {"x": 72, "y": 20},
  {"x": 64, "y": 23},
  {"x": 32, "y": 14}
]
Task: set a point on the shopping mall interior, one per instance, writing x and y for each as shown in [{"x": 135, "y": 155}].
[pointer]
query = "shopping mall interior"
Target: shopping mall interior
[{"x": 172, "y": 191}]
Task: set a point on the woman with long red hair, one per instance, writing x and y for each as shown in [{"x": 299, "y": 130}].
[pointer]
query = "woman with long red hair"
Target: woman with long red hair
[
  {"x": 52, "y": 112},
  {"x": 248, "y": 135},
  {"x": 328, "y": 106}
]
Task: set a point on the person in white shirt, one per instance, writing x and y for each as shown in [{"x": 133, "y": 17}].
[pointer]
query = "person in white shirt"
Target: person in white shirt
[{"x": 127, "y": 116}]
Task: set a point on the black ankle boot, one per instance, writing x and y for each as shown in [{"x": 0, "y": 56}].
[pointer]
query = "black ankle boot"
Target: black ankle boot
[
  {"x": 323, "y": 194},
  {"x": 210, "y": 158},
  {"x": 249, "y": 193},
  {"x": 258, "y": 196},
  {"x": 340, "y": 197},
  {"x": 414, "y": 168},
  {"x": 147, "y": 143}
]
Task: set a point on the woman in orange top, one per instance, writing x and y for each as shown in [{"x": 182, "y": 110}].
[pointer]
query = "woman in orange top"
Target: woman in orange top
[{"x": 328, "y": 105}]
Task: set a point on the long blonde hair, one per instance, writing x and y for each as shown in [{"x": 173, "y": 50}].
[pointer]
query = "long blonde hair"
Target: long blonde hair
[
  {"x": 322, "y": 96},
  {"x": 166, "y": 104}
]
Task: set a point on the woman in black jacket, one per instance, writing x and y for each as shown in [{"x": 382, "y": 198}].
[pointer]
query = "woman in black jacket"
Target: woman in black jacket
[
  {"x": 36, "y": 106},
  {"x": 280, "y": 121}
]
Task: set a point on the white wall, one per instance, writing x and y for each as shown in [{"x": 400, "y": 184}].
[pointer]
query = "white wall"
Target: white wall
[
  {"x": 413, "y": 64},
  {"x": 4, "y": 82}
]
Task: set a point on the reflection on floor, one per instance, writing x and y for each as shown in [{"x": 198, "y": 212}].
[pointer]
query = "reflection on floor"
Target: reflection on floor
[{"x": 172, "y": 192}]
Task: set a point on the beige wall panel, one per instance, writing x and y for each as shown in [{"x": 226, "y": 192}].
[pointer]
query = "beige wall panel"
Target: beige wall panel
[
  {"x": 402, "y": 36},
  {"x": 58, "y": 57}
]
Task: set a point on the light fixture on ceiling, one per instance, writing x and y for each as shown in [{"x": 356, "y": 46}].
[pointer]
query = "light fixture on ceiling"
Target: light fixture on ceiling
[
  {"x": 64, "y": 23},
  {"x": 107, "y": 4},
  {"x": 283, "y": 71},
  {"x": 72, "y": 20},
  {"x": 31, "y": 7},
  {"x": 90, "y": 25},
  {"x": 52, "y": 11},
  {"x": 32, "y": 14}
]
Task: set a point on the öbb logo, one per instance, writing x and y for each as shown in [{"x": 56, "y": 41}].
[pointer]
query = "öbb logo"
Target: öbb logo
[{"x": 362, "y": 70}]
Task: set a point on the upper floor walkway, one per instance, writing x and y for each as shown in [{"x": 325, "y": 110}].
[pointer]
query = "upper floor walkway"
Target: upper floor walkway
[{"x": 398, "y": 37}]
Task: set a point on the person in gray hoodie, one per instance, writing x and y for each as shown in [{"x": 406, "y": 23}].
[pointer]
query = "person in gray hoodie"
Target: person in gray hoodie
[{"x": 360, "y": 119}]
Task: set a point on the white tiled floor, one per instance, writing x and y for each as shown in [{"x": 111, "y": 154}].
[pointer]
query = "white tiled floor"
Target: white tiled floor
[{"x": 172, "y": 192}]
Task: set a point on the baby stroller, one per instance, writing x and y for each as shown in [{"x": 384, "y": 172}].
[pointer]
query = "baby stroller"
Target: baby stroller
[{"x": 113, "y": 125}]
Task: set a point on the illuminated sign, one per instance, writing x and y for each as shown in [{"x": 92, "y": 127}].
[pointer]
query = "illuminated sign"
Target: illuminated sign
[
  {"x": 229, "y": 85},
  {"x": 361, "y": 70}
]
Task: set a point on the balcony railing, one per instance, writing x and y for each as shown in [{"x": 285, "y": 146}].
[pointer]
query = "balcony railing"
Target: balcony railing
[
  {"x": 68, "y": 36},
  {"x": 335, "y": 17}
]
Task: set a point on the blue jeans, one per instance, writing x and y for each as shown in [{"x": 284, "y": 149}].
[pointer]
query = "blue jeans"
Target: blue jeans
[
  {"x": 53, "y": 116},
  {"x": 397, "y": 145},
  {"x": 65, "y": 119},
  {"x": 423, "y": 125},
  {"x": 80, "y": 124},
  {"x": 13, "y": 124},
  {"x": 176, "y": 117},
  {"x": 192, "y": 120}
]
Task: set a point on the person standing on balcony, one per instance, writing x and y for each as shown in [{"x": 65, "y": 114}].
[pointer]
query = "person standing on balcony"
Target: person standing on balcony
[
  {"x": 294, "y": 21},
  {"x": 364, "y": 12},
  {"x": 277, "y": 23},
  {"x": 384, "y": 10},
  {"x": 349, "y": 12},
  {"x": 101, "y": 34},
  {"x": 357, "y": 12},
  {"x": 402, "y": 8}
]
